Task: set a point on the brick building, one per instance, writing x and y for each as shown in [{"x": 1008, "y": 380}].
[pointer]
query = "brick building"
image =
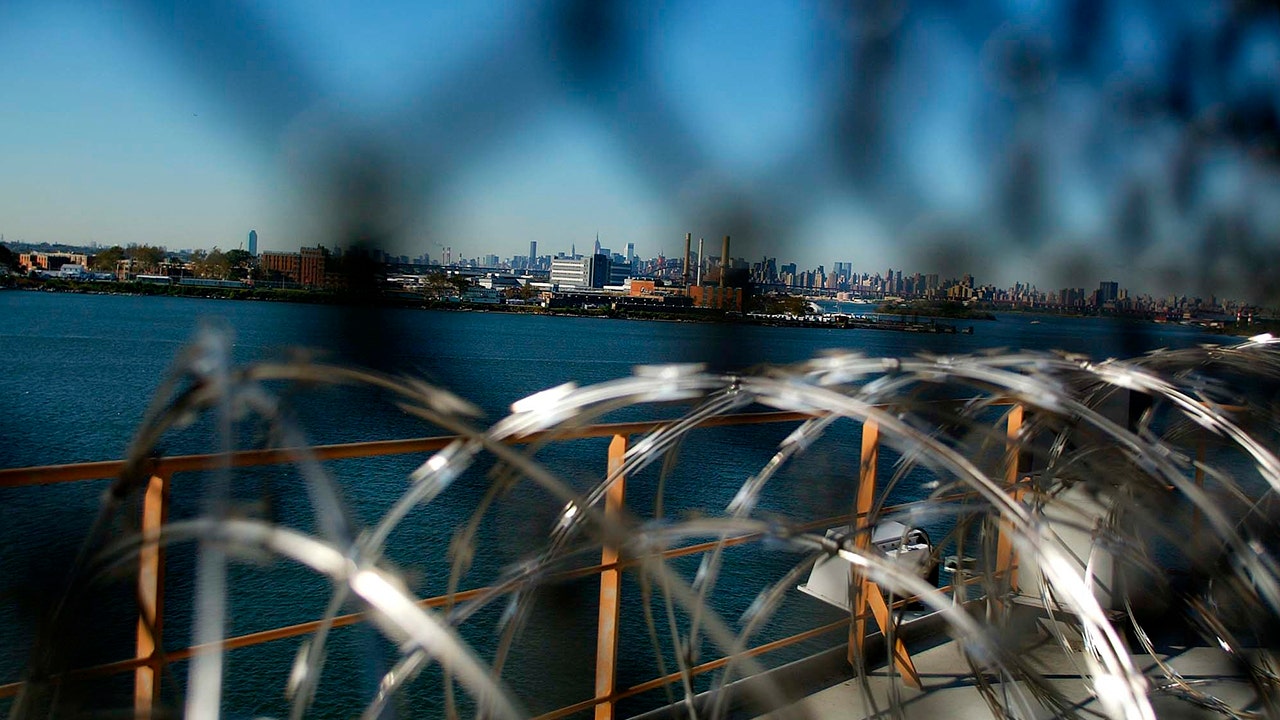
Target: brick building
[
  {"x": 50, "y": 262},
  {"x": 713, "y": 296},
  {"x": 305, "y": 267}
]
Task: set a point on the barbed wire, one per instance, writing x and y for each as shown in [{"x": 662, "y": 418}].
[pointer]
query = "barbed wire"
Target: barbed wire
[{"x": 1096, "y": 471}]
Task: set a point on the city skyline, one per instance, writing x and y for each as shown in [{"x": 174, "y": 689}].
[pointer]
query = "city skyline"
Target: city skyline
[
  {"x": 773, "y": 272},
  {"x": 1131, "y": 143}
]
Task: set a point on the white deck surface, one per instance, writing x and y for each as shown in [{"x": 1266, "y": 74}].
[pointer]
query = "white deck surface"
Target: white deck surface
[{"x": 950, "y": 690}]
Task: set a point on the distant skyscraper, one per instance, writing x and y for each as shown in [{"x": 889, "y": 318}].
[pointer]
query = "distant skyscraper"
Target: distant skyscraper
[
  {"x": 597, "y": 249},
  {"x": 631, "y": 252},
  {"x": 253, "y": 243},
  {"x": 533, "y": 252}
]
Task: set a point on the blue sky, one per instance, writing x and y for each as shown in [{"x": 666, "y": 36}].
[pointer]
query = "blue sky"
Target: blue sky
[{"x": 1034, "y": 140}]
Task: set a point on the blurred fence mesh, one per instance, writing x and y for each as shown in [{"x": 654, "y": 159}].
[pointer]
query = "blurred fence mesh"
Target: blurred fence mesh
[
  {"x": 1074, "y": 137},
  {"x": 1096, "y": 135}
]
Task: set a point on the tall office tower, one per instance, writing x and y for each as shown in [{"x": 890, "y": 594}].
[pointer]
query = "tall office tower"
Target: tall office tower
[
  {"x": 631, "y": 253},
  {"x": 533, "y": 252},
  {"x": 684, "y": 269},
  {"x": 597, "y": 248},
  {"x": 724, "y": 262},
  {"x": 448, "y": 255},
  {"x": 253, "y": 243}
]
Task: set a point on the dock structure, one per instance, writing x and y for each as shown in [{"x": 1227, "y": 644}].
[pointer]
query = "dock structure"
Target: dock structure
[{"x": 1045, "y": 475}]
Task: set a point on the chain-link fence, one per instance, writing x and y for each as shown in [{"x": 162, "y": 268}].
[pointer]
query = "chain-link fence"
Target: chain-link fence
[{"x": 1055, "y": 142}]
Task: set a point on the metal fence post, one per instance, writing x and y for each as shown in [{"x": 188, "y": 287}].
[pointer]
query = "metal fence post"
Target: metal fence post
[
  {"x": 862, "y": 530},
  {"x": 865, "y": 592},
  {"x": 1005, "y": 557},
  {"x": 610, "y": 589},
  {"x": 146, "y": 679}
]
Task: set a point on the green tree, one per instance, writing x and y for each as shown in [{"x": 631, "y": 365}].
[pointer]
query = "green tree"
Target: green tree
[
  {"x": 460, "y": 283},
  {"x": 211, "y": 264},
  {"x": 148, "y": 256},
  {"x": 240, "y": 264},
  {"x": 106, "y": 260},
  {"x": 441, "y": 285},
  {"x": 239, "y": 258},
  {"x": 8, "y": 259},
  {"x": 522, "y": 292}
]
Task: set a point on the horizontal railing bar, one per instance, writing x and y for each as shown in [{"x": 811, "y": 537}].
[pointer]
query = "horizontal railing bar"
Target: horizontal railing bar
[
  {"x": 720, "y": 662},
  {"x": 658, "y": 682},
  {"x": 50, "y": 474},
  {"x": 251, "y": 639},
  {"x": 105, "y": 469},
  {"x": 305, "y": 628}
]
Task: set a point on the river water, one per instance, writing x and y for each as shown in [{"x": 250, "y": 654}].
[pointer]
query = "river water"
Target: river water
[{"x": 79, "y": 371}]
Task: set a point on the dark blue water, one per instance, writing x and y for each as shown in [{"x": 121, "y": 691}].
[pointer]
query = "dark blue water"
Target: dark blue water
[{"x": 79, "y": 370}]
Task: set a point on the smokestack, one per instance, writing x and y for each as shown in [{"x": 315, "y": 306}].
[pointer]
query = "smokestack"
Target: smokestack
[
  {"x": 688, "y": 240},
  {"x": 724, "y": 262},
  {"x": 700, "y": 260}
]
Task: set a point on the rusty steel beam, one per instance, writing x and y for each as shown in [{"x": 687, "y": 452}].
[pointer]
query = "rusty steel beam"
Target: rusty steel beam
[
  {"x": 610, "y": 586},
  {"x": 146, "y": 678},
  {"x": 858, "y": 584},
  {"x": 865, "y": 593},
  {"x": 1005, "y": 557},
  {"x": 901, "y": 658}
]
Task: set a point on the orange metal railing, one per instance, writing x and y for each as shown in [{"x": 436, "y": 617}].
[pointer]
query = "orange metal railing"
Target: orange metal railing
[{"x": 150, "y": 654}]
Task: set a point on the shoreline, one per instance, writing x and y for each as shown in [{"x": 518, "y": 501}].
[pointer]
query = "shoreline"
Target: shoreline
[
  {"x": 921, "y": 323},
  {"x": 322, "y": 297}
]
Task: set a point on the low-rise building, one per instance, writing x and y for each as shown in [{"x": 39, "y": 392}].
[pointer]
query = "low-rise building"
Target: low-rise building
[
  {"x": 714, "y": 296},
  {"x": 50, "y": 262},
  {"x": 495, "y": 281},
  {"x": 482, "y": 296},
  {"x": 591, "y": 271}
]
